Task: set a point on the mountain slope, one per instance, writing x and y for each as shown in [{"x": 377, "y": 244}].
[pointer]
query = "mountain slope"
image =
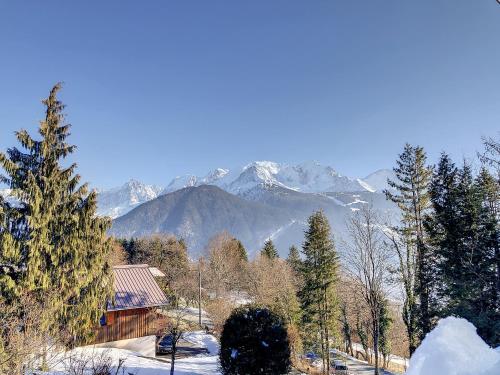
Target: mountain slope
[
  {"x": 378, "y": 180},
  {"x": 266, "y": 211},
  {"x": 197, "y": 213}
]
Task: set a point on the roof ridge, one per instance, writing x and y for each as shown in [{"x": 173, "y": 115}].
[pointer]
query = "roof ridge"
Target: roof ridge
[{"x": 131, "y": 266}]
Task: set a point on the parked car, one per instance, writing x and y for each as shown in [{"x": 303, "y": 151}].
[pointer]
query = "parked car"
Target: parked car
[
  {"x": 339, "y": 368},
  {"x": 311, "y": 356},
  {"x": 184, "y": 347}
]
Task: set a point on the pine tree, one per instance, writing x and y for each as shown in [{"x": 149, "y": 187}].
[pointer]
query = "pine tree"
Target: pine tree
[
  {"x": 10, "y": 254},
  {"x": 487, "y": 286},
  {"x": 60, "y": 248},
  {"x": 320, "y": 274},
  {"x": 269, "y": 250},
  {"x": 465, "y": 235},
  {"x": 294, "y": 260},
  {"x": 385, "y": 327},
  {"x": 254, "y": 341},
  {"x": 241, "y": 250},
  {"x": 410, "y": 193}
]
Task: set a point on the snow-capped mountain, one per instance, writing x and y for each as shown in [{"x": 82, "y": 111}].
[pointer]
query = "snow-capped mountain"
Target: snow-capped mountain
[
  {"x": 312, "y": 177},
  {"x": 219, "y": 177},
  {"x": 118, "y": 201},
  {"x": 308, "y": 177},
  {"x": 378, "y": 180},
  {"x": 261, "y": 200}
]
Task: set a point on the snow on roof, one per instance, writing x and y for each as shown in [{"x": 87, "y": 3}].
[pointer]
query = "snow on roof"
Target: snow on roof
[
  {"x": 135, "y": 287},
  {"x": 156, "y": 272}
]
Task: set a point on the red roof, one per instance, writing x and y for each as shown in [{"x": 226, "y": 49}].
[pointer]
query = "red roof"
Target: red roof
[{"x": 135, "y": 287}]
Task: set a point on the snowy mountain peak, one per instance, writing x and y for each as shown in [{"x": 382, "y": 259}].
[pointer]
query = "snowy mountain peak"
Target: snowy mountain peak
[
  {"x": 181, "y": 182},
  {"x": 307, "y": 177},
  {"x": 118, "y": 201},
  {"x": 215, "y": 175},
  {"x": 378, "y": 179}
]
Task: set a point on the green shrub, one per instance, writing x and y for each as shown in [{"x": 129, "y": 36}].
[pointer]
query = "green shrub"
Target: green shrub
[{"x": 254, "y": 341}]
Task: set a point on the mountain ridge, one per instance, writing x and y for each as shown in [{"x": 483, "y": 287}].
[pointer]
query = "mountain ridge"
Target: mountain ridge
[{"x": 307, "y": 177}]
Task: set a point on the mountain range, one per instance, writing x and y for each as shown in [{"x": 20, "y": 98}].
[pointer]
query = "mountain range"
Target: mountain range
[{"x": 258, "y": 201}]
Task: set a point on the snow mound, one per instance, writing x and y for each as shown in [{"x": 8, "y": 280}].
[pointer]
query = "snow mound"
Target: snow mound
[
  {"x": 454, "y": 348},
  {"x": 200, "y": 338}
]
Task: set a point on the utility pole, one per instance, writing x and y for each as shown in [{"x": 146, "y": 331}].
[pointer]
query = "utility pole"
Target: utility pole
[{"x": 199, "y": 291}]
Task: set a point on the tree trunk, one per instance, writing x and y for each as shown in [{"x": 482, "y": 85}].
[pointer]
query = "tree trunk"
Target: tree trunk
[
  {"x": 174, "y": 349},
  {"x": 376, "y": 334},
  {"x": 327, "y": 332}
]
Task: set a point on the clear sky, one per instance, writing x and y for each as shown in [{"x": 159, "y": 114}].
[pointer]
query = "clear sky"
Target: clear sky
[{"x": 156, "y": 89}]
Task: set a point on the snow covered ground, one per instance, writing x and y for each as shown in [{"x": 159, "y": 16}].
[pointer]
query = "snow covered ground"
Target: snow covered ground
[
  {"x": 454, "y": 348},
  {"x": 136, "y": 364}
]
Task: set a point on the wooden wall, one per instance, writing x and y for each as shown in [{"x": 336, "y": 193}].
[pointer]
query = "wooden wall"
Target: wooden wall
[{"x": 129, "y": 324}]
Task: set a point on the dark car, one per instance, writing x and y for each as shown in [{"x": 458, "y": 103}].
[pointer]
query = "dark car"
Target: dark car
[
  {"x": 184, "y": 348},
  {"x": 339, "y": 368}
]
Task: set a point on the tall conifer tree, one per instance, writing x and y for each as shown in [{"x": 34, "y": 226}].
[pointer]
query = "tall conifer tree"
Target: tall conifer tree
[
  {"x": 60, "y": 247},
  {"x": 320, "y": 274},
  {"x": 465, "y": 234},
  {"x": 293, "y": 259},
  {"x": 241, "y": 250},
  {"x": 269, "y": 250},
  {"x": 410, "y": 193}
]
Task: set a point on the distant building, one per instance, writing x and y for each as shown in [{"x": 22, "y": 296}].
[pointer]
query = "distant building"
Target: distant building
[{"x": 132, "y": 320}]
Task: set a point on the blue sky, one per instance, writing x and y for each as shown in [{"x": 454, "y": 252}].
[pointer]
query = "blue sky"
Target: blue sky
[{"x": 160, "y": 88}]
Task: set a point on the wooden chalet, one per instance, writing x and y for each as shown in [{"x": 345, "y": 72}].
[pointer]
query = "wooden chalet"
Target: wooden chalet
[{"x": 133, "y": 314}]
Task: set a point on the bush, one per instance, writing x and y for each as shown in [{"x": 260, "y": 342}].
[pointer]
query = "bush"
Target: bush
[{"x": 254, "y": 341}]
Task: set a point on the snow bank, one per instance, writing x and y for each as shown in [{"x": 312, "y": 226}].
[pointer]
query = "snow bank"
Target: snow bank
[
  {"x": 136, "y": 364},
  {"x": 454, "y": 348}
]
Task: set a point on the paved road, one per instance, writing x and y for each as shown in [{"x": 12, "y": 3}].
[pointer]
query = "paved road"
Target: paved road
[{"x": 361, "y": 368}]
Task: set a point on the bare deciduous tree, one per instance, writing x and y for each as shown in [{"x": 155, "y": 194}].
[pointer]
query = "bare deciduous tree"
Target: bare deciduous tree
[
  {"x": 25, "y": 342},
  {"x": 226, "y": 269},
  {"x": 406, "y": 277},
  {"x": 176, "y": 325},
  {"x": 491, "y": 153},
  {"x": 272, "y": 284},
  {"x": 368, "y": 259}
]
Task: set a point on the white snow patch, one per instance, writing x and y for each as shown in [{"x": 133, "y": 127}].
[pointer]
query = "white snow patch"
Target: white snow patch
[
  {"x": 276, "y": 233},
  {"x": 454, "y": 348},
  {"x": 137, "y": 364},
  {"x": 366, "y": 185},
  {"x": 200, "y": 338}
]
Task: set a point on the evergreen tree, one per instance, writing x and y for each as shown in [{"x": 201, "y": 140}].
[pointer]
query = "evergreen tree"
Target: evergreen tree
[
  {"x": 269, "y": 250},
  {"x": 465, "y": 235},
  {"x": 320, "y": 274},
  {"x": 385, "y": 327},
  {"x": 410, "y": 193},
  {"x": 241, "y": 250},
  {"x": 294, "y": 260},
  {"x": 254, "y": 341},
  {"x": 54, "y": 242}
]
